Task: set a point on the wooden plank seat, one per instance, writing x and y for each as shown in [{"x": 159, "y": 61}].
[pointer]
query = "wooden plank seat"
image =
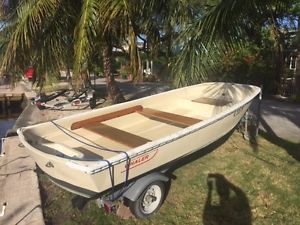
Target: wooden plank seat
[
  {"x": 169, "y": 118},
  {"x": 95, "y": 124},
  {"x": 115, "y": 134},
  {"x": 212, "y": 101},
  {"x": 105, "y": 117}
]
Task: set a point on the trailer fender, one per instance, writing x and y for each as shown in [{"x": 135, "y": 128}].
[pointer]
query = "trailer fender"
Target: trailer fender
[{"x": 140, "y": 185}]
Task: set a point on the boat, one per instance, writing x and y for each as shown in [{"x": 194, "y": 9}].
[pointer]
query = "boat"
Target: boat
[{"x": 92, "y": 152}]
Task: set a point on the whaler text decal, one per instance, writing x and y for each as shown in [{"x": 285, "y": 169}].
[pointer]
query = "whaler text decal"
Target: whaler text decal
[{"x": 134, "y": 162}]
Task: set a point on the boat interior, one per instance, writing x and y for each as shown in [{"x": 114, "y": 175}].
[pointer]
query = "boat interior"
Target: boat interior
[{"x": 131, "y": 127}]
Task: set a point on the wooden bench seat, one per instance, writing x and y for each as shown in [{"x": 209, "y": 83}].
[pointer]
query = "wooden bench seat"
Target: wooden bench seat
[
  {"x": 166, "y": 117},
  {"x": 95, "y": 124},
  {"x": 115, "y": 134},
  {"x": 169, "y": 118},
  {"x": 105, "y": 117},
  {"x": 212, "y": 101}
]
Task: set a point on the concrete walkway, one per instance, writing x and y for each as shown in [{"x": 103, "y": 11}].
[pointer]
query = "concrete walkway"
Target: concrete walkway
[
  {"x": 19, "y": 186},
  {"x": 281, "y": 119}
]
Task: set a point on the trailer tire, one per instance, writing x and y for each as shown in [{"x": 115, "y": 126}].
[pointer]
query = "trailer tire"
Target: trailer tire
[{"x": 149, "y": 201}]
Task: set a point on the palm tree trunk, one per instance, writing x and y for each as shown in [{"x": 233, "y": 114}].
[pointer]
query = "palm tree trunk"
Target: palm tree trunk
[
  {"x": 113, "y": 91},
  {"x": 135, "y": 61}
]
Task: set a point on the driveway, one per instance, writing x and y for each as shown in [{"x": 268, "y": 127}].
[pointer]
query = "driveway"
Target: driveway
[{"x": 280, "y": 119}]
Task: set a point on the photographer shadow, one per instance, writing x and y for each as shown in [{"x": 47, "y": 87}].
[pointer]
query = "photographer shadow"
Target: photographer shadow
[{"x": 225, "y": 204}]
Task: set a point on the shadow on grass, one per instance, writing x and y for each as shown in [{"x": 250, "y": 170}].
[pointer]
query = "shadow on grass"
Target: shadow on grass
[
  {"x": 79, "y": 202},
  {"x": 226, "y": 203},
  {"x": 252, "y": 138}
]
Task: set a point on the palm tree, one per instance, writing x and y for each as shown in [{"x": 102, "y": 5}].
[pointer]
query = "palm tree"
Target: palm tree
[
  {"x": 36, "y": 33},
  {"x": 39, "y": 32},
  {"x": 126, "y": 19},
  {"x": 90, "y": 30},
  {"x": 156, "y": 22}
]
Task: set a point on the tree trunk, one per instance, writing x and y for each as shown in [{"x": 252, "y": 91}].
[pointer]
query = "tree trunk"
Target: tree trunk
[
  {"x": 135, "y": 61},
  {"x": 113, "y": 91},
  {"x": 279, "y": 60}
]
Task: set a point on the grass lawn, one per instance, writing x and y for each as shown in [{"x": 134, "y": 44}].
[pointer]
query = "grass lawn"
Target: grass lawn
[{"x": 231, "y": 182}]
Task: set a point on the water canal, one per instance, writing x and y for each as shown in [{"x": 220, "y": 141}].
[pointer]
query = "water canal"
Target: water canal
[{"x": 9, "y": 112}]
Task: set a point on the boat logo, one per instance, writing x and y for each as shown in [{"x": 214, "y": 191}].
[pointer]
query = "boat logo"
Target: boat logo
[
  {"x": 49, "y": 164},
  {"x": 141, "y": 159}
]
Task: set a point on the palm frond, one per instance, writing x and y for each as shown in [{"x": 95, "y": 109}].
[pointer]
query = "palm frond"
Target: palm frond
[
  {"x": 52, "y": 50},
  {"x": 85, "y": 32},
  {"x": 228, "y": 19},
  {"x": 28, "y": 22},
  {"x": 196, "y": 62}
]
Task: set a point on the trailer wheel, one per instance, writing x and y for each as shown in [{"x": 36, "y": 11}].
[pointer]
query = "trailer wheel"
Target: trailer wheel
[{"x": 149, "y": 201}]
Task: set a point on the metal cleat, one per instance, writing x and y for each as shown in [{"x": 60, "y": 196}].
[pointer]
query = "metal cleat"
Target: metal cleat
[
  {"x": 3, "y": 209},
  {"x": 2, "y": 153}
]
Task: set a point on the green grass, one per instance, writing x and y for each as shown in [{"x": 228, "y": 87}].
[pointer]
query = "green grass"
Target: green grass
[{"x": 249, "y": 184}]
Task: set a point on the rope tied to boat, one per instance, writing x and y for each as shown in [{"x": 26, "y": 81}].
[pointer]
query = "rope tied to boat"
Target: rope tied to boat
[{"x": 99, "y": 147}]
